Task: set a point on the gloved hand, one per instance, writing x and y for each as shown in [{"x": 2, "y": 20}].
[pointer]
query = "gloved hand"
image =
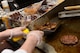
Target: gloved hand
[
  {"x": 38, "y": 34},
  {"x": 16, "y": 31}
]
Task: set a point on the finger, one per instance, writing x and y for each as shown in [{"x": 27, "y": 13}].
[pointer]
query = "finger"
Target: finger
[
  {"x": 22, "y": 28},
  {"x": 41, "y": 33}
]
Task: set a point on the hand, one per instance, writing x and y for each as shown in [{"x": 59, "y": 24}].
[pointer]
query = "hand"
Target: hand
[
  {"x": 16, "y": 31},
  {"x": 38, "y": 34}
]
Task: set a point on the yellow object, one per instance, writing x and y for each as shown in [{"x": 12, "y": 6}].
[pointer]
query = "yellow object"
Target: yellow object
[
  {"x": 26, "y": 31},
  {"x": 15, "y": 39},
  {"x": 5, "y": 19}
]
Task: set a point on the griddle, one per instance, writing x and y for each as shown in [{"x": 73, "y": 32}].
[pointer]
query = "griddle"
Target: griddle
[{"x": 70, "y": 26}]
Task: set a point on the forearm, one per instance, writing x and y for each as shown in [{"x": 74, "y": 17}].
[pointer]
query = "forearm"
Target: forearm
[
  {"x": 5, "y": 33},
  {"x": 29, "y": 44}
]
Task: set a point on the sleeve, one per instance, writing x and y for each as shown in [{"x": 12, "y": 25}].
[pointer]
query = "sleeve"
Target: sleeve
[
  {"x": 7, "y": 51},
  {"x": 20, "y": 51},
  {"x": 11, "y": 51}
]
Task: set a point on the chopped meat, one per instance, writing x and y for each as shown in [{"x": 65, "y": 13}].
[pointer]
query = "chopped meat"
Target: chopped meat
[{"x": 47, "y": 26}]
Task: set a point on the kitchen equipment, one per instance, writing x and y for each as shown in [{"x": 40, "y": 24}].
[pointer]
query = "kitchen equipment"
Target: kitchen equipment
[
  {"x": 71, "y": 13},
  {"x": 72, "y": 7},
  {"x": 69, "y": 26},
  {"x": 5, "y": 5},
  {"x": 35, "y": 25}
]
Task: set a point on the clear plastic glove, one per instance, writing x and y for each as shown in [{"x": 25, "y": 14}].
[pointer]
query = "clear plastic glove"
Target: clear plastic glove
[
  {"x": 38, "y": 34},
  {"x": 16, "y": 31}
]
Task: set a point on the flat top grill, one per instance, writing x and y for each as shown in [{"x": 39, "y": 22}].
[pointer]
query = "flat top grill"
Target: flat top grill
[{"x": 70, "y": 26}]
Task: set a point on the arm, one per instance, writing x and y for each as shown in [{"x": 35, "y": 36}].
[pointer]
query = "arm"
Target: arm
[
  {"x": 29, "y": 44},
  {"x": 16, "y": 31},
  {"x": 4, "y": 34},
  {"x": 33, "y": 39}
]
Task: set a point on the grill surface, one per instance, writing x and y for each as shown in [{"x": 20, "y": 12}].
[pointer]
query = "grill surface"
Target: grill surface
[{"x": 70, "y": 26}]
